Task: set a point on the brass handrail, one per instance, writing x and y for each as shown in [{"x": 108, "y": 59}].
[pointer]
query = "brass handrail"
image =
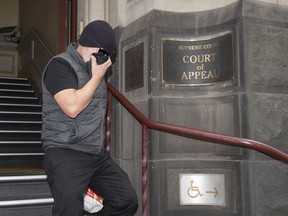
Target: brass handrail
[{"x": 182, "y": 131}]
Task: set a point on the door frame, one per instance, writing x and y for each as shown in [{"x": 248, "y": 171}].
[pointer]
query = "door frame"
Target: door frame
[{"x": 67, "y": 23}]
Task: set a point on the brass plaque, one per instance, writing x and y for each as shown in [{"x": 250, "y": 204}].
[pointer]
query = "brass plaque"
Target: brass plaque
[
  {"x": 134, "y": 68},
  {"x": 197, "y": 61}
]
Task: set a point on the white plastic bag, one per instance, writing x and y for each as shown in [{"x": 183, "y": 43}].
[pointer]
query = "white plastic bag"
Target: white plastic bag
[{"x": 92, "y": 202}]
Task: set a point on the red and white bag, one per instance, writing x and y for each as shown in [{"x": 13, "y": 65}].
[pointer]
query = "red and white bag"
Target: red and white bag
[{"x": 92, "y": 202}]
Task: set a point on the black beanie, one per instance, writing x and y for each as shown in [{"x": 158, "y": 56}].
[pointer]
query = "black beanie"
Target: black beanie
[{"x": 98, "y": 34}]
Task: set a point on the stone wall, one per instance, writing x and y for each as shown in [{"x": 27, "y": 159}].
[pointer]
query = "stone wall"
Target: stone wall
[{"x": 253, "y": 104}]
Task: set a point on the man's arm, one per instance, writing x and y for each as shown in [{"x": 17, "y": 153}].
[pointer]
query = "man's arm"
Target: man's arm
[{"x": 72, "y": 101}]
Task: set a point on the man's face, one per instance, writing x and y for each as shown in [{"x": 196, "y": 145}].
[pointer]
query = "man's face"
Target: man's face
[
  {"x": 87, "y": 52},
  {"x": 92, "y": 50}
]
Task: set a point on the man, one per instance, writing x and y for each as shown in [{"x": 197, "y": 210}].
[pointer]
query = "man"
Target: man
[{"x": 73, "y": 128}]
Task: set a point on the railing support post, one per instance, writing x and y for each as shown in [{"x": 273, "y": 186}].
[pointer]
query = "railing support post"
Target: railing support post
[
  {"x": 108, "y": 121},
  {"x": 145, "y": 170}
]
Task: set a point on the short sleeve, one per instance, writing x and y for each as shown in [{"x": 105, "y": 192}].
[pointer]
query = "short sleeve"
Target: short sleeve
[{"x": 59, "y": 76}]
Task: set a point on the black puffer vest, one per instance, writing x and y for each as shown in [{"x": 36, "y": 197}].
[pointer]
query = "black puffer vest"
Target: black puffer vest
[{"x": 84, "y": 133}]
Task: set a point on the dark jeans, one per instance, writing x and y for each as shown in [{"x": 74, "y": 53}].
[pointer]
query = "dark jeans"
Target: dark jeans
[{"x": 71, "y": 172}]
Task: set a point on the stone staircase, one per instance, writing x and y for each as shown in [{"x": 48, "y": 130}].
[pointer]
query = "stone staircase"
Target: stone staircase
[{"x": 23, "y": 186}]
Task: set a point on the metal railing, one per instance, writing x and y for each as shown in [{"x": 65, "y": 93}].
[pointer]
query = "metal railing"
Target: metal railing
[
  {"x": 24, "y": 202},
  {"x": 177, "y": 130}
]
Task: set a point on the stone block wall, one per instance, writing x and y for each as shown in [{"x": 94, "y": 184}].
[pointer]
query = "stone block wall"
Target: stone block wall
[{"x": 253, "y": 105}]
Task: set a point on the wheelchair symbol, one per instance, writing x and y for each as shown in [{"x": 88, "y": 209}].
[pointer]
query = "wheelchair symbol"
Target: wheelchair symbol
[{"x": 193, "y": 191}]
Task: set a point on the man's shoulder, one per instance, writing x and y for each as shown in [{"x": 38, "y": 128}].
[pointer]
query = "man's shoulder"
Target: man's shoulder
[{"x": 59, "y": 61}]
